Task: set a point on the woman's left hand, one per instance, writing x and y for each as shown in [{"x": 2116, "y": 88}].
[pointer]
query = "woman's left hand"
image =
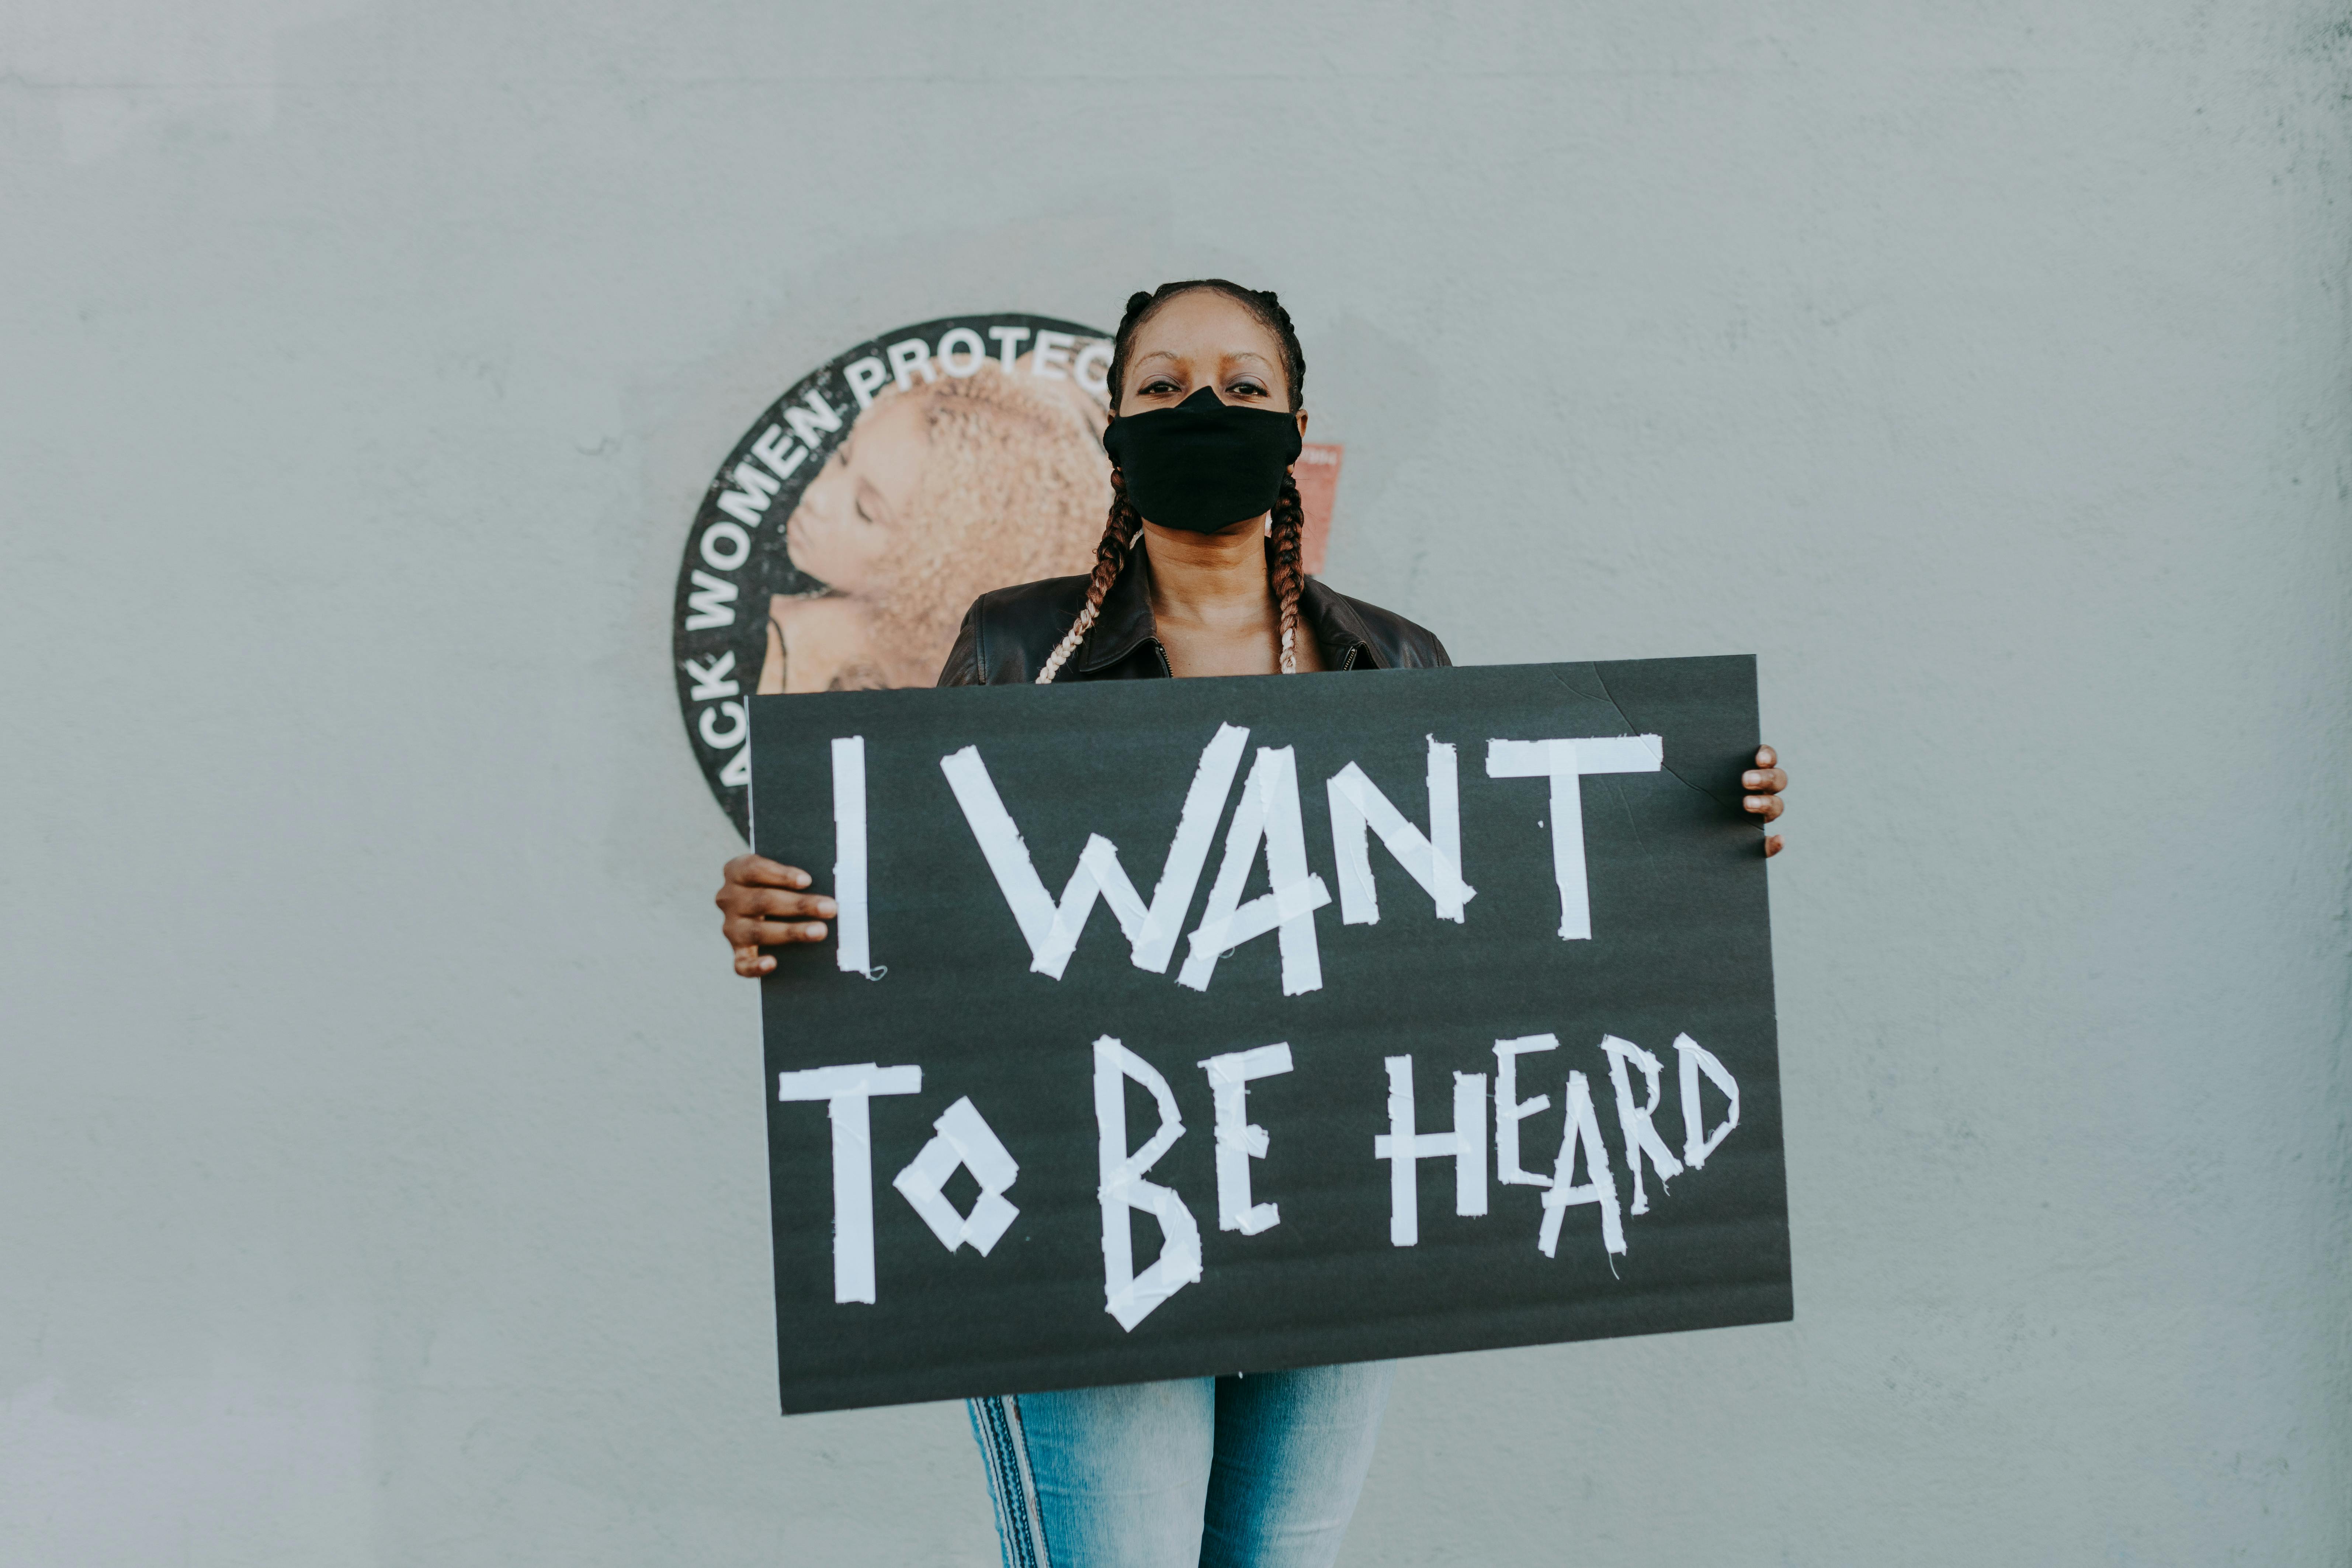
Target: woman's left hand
[{"x": 1764, "y": 782}]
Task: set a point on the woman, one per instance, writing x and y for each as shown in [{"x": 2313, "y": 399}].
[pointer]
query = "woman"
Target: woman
[
  {"x": 971, "y": 475},
  {"x": 1197, "y": 574}
]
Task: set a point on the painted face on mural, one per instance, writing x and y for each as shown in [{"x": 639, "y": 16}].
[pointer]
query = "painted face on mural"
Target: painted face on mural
[
  {"x": 850, "y": 519},
  {"x": 953, "y": 481}
]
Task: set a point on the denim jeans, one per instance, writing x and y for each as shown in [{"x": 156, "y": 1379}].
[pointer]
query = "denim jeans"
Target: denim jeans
[{"x": 1260, "y": 1471}]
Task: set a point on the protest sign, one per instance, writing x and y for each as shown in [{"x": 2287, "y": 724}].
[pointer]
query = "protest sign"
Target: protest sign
[{"x": 1180, "y": 1028}]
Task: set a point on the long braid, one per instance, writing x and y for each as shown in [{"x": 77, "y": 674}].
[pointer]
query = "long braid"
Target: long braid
[
  {"x": 1119, "y": 532},
  {"x": 1122, "y": 528},
  {"x": 1126, "y": 526},
  {"x": 1289, "y": 534}
]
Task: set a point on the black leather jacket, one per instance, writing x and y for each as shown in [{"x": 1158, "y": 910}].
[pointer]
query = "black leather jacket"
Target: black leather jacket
[{"x": 1008, "y": 634}]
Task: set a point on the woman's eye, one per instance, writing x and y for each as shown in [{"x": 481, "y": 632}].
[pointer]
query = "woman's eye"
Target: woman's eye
[
  {"x": 1247, "y": 389},
  {"x": 1157, "y": 385}
]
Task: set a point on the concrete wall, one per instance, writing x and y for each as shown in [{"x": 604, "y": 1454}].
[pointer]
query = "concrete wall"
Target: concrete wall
[{"x": 380, "y": 1175}]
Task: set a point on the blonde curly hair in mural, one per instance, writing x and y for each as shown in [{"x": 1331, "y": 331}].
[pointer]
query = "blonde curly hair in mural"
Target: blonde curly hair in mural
[{"x": 946, "y": 486}]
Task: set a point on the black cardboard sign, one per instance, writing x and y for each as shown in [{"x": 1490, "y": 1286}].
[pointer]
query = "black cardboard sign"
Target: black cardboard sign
[{"x": 1412, "y": 1011}]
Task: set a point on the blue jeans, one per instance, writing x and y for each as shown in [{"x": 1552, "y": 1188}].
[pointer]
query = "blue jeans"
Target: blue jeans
[{"x": 1201, "y": 1472}]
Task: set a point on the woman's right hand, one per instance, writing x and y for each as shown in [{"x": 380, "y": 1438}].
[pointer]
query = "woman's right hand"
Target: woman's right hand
[{"x": 765, "y": 908}]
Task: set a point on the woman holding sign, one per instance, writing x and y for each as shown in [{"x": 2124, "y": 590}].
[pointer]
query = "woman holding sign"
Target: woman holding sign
[{"x": 1197, "y": 574}]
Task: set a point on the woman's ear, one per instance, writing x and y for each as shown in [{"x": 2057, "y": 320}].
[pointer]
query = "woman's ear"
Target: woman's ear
[{"x": 1302, "y": 424}]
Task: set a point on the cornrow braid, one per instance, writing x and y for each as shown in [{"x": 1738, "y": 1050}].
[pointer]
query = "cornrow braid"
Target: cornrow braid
[
  {"x": 1124, "y": 525},
  {"x": 1119, "y": 532},
  {"x": 1289, "y": 533}
]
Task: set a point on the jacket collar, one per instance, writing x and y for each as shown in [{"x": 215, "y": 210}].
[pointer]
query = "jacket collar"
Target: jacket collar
[
  {"x": 1339, "y": 630},
  {"x": 1125, "y": 622}
]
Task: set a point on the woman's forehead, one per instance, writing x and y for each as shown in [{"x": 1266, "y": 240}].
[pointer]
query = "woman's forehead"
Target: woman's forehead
[
  {"x": 1184, "y": 351},
  {"x": 1205, "y": 323}
]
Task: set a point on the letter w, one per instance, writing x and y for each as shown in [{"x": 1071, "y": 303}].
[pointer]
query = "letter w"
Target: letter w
[
  {"x": 1052, "y": 928},
  {"x": 713, "y": 606},
  {"x": 746, "y": 504}
]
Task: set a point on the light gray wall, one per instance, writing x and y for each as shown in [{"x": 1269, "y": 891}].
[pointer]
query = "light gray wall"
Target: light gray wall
[{"x": 381, "y": 1166}]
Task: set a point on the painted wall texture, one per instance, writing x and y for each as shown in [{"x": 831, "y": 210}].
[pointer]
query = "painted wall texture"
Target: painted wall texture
[{"x": 380, "y": 1153}]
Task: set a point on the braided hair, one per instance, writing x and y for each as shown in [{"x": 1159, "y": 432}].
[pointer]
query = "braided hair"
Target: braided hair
[{"x": 1125, "y": 526}]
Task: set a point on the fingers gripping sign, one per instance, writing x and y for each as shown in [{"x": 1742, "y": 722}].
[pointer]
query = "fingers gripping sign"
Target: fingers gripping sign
[
  {"x": 1764, "y": 782},
  {"x": 766, "y": 904}
]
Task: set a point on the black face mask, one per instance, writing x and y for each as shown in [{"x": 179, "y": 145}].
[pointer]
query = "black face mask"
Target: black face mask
[{"x": 1205, "y": 464}]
